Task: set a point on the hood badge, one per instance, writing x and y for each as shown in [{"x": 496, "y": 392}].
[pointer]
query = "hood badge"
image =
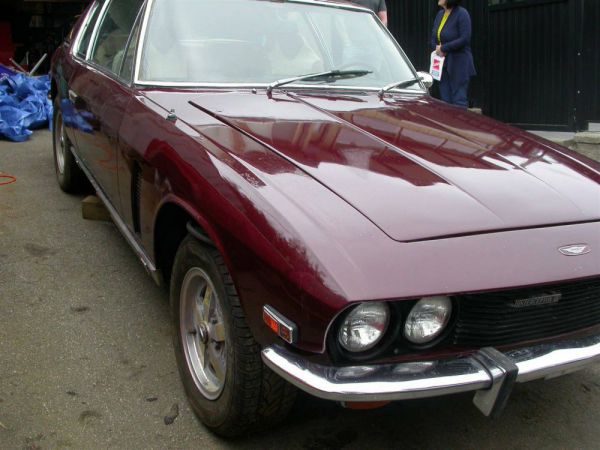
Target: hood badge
[{"x": 575, "y": 250}]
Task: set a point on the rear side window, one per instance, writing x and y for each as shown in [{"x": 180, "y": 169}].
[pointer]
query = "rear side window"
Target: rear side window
[
  {"x": 88, "y": 29},
  {"x": 113, "y": 33}
]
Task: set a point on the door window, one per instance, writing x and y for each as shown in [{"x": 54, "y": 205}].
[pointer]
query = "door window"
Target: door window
[{"x": 113, "y": 33}]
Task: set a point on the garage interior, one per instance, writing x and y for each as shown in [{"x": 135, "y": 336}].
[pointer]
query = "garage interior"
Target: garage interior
[{"x": 30, "y": 29}]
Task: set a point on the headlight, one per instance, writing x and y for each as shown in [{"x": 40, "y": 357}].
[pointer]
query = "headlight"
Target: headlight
[
  {"x": 364, "y": 327},
  {"x": 427, "y": 319}
]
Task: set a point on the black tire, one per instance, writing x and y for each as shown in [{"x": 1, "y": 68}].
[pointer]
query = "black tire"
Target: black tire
[
  {"x": 69, "y": 175},
  {"x": 252, "y": 396}
]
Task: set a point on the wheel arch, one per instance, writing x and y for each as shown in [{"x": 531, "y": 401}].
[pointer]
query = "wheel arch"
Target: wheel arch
[
  {"x": 53, "y": 89},
  {"x": 174, "y": 220}
]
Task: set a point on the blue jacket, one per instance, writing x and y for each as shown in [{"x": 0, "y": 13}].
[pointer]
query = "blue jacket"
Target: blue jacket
[{"x": 456, "y": 43}]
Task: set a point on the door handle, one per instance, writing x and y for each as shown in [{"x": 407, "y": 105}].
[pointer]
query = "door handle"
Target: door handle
[{"x": 73, "y": 96}]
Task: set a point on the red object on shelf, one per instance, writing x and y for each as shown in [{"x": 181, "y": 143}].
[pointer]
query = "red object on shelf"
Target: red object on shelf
[{"x": 7, "y": 48}]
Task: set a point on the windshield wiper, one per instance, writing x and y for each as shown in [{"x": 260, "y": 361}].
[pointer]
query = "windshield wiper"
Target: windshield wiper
[
  {"x": 329, "y": 75},
  {"x": 398, "y": 85}
]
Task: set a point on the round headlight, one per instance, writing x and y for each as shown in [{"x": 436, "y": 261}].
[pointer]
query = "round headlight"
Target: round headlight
[
  {"x": 427, "y": 319},
  {"x": 364, "y": 327}
]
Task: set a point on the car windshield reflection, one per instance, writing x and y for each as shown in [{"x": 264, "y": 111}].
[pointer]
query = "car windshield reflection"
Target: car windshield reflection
[{"x": 255, "y": 42}]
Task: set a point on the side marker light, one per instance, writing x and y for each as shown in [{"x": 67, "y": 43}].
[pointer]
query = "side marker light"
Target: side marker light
[{"x": 282, "y": 327}]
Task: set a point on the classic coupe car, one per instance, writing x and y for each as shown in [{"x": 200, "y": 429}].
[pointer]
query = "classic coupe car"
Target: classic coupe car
[{"x": 321, "y": 221}]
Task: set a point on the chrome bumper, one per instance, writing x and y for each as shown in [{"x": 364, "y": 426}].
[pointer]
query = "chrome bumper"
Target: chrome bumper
[{"x": 490, "y": 373}]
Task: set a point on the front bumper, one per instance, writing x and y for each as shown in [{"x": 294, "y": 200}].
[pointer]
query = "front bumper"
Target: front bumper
[{"x": 490, "y": 373}]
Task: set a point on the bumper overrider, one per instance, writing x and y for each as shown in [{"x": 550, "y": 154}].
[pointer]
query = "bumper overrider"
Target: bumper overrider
[{"x": 491, "y": 374}]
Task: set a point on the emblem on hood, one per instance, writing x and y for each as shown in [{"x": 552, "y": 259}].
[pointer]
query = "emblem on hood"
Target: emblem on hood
[{"x": 575, "y": 250}]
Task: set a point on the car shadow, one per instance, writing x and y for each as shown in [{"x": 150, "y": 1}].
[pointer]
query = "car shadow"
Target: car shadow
[{"x": 539, "y": 414}]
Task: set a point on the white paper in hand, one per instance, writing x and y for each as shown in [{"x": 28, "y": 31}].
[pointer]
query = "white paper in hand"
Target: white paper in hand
[{"x": 437, "y": 66}]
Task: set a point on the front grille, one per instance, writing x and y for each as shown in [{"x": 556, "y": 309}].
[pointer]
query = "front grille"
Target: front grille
[{"x": 519, "y": 315}]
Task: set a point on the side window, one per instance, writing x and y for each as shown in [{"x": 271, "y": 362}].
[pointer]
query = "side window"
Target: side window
[
  {"x": 113, "y": 33},
  {"x": 129, "y": 60},
  {"x": 84, "y": 42}
]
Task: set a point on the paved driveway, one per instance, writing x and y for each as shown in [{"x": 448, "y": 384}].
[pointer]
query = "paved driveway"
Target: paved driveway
[{"x": 86, "y": 359}]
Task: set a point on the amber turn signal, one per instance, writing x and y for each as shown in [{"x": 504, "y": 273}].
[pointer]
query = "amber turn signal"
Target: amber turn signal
[{"x": 282, "y": 327}]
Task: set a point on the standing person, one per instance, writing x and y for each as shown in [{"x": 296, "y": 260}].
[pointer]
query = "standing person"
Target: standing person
[
  {"x": 377, "y": 6},
  {"x": 451, "y": 38}
]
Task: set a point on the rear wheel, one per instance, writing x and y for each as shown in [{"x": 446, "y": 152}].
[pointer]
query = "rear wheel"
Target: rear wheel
[
  {"x": 70, "y": 177},
  {"x": 227, "y": 384}
]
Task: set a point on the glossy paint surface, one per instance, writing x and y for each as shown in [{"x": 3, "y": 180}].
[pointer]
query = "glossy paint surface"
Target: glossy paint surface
[
  {"x": 319, "y": 199},
  {"x": 416, "y": 171},
  {"x": 283, "y": 216}
]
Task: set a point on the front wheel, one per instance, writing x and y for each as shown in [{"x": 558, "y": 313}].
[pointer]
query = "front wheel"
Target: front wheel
[
  {"x": 69, "y": 175},
  {"x": 228, "y": 386}
]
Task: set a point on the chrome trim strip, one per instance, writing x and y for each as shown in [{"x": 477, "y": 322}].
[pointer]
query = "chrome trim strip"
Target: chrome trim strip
[
  {"x": 266, "y": 85},
  {"x": 83, "y": 28},
  {"x": 121, "y": 225},
  {"x": 94, "y": 35},
  {"x": 378, "y": 383},
  {"x": 136, "y": 22},
  {"x": 422, "y": 379},
  {"x": 142, "y": 42},
  {"x": 556, "y": 359}
]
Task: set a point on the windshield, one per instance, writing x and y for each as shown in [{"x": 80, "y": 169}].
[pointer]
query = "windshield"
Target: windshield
[{"x": 259, "y": 42}]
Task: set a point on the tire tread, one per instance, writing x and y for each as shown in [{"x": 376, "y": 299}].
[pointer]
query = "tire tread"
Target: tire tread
[{"x": 262, "y": 398}]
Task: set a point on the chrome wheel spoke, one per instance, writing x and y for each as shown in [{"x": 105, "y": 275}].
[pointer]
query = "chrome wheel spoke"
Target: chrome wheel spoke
[
  {"x": 217, "y": 332},
  {"x": 201, "y": 352},
  {"x": 207, "y": 303},
  {"x": 216, "y": 362},
  {"x": 61, "y": 144},
  {"x": 198, "y": 317}
]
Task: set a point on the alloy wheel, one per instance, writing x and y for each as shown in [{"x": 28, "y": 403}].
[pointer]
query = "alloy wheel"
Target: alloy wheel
[
  {"x": 60, "y": 143},
  {"x": 202, "y": 333}
]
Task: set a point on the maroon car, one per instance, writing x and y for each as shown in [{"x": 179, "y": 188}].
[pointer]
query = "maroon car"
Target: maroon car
[{"x": 321, "y": 222}]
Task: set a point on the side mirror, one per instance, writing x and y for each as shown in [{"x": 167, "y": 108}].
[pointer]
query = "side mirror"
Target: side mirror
[{"x": 426, "y": 78}]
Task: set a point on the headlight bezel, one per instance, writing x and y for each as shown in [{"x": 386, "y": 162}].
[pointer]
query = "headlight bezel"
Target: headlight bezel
[
  {"x": 355, "y": 311},
  {"x": 393, "y": 343},
  {"x": 442, "y": 336},
  {"x": 390, "y": 335}
]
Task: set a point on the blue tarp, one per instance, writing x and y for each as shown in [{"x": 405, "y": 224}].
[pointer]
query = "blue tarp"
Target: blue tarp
[
  {"x": 24, "y": 104},
  {"x": 5, "y": 72}
]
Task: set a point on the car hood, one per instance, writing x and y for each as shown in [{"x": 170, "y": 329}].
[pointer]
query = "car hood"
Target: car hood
[{"x": 416, "y": 168}]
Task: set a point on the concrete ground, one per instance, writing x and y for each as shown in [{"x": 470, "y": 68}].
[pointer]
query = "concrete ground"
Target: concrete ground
[{"x": 86, "y": 359}]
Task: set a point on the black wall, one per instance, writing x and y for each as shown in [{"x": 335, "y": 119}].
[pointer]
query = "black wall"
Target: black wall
[
  {"x": 589, "y": 83},
  {"x": 538, "y": 61}
]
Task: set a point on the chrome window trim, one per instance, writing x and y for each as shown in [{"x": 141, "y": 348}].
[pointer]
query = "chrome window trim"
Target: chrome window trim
[
  {"x": 401, "y": 51},
  {"x": 136, "y": 22},
  {"x": 142, "y": 41},
  {"x": 83, "y": 29},
  {"x": 175, "y": 84},
  {"x": 104, "y": 70},
  {"x": 92, "y": 44}
]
